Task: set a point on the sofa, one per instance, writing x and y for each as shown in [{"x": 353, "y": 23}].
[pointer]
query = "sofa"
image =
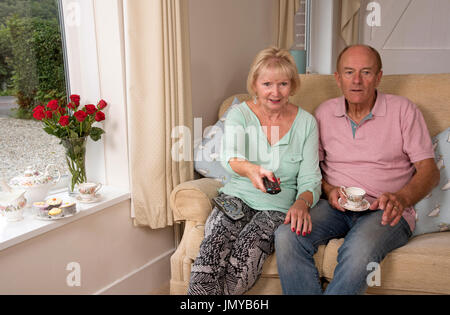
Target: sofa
[{"x": 422, "y": 266}]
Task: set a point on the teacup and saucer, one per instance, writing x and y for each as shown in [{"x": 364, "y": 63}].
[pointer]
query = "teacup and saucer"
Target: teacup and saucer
[
  {"x": 88, "y": 192},
  {"x": 355, "y": 199}
]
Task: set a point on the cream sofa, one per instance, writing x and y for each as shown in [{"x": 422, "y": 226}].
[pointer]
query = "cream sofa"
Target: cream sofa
[{"x": 422, "y": 266}]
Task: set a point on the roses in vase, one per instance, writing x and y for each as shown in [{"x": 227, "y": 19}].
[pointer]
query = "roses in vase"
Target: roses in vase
[
  {"x": 71, "y": 121},
  {"x": 72, "y": 124}
]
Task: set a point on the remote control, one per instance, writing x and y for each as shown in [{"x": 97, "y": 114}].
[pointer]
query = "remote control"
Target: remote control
[
  {"x": 271, "y": 187},
  {"x": 228, "y": 206}
]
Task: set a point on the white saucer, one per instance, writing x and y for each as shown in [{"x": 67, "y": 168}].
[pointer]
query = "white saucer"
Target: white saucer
[
  {"x": 96, "y": 199},
  {"x": 50, "y": 218},
  {"x": 365, "y": 205}
]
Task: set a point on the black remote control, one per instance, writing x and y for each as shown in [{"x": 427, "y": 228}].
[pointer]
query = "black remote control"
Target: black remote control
[
  {"x": 228, "y": 206},
  {"x": 271, "y": 187}
]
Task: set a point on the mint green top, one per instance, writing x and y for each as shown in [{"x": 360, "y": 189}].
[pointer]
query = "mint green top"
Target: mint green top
[{"x": 294, "y": 159}]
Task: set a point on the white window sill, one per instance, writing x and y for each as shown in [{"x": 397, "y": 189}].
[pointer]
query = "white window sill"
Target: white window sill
[{"x": 13, "y": 233}]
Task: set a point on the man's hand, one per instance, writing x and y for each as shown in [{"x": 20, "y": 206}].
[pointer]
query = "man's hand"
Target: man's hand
[
  {"x": 393, "y": 205},
  {"x": 333, "y": 196}
]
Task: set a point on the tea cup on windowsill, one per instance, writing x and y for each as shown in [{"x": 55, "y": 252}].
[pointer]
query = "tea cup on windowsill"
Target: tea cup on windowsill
[
  {"x": 12, "y": 203},
  {"x": 88, "y": 191}
]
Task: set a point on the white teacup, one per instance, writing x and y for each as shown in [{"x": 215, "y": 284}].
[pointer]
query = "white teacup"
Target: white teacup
[
  {"x": 355, "y": 195},
  {"x": 88, "y": 190}
]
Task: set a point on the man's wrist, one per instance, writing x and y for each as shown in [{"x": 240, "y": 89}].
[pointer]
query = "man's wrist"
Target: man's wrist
[
  {"x": 404, "y": 199},
  {"x": 327, "y": 188}
]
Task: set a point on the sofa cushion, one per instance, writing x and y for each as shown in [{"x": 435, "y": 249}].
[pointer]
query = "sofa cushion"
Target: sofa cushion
[
  {"x": 433, "y": 212},
  {"x": 422, "y": 265},
  {"x": 270, "y": 266},
  {"x": 207, "y": 153}
]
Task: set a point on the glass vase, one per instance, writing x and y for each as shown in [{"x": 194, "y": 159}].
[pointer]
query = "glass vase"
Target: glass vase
[{"x": 76, "y": 161}]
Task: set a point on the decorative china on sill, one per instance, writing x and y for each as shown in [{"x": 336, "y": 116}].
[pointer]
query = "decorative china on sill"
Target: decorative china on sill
[
  {"x": 12, "y": 202},
  {"x": 35, "y": 183}
]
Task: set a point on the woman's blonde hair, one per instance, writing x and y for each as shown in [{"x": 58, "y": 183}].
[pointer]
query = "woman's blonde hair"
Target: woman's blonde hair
[{"x": 274, "y": 58}]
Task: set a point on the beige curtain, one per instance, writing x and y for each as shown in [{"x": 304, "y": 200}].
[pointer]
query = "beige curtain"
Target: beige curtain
[
  {"x": 286, "y": 14},
  {"x": 159, "y": 100},
  {"x": 350, "y": 21}
]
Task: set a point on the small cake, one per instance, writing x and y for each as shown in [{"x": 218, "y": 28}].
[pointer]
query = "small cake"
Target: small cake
[
  {"x": 55, "y": 212},
  {"x": 40, "y": 208},
  {"x": 40, "y": 205},
  {"x": 69, "y": 207},
  {"x": 53, "y": 202}
]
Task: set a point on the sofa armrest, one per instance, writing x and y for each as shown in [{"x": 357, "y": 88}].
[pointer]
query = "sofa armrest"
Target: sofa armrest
[{"x": 192, "y": 200}]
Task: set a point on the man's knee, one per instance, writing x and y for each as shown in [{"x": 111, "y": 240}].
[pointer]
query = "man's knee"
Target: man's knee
[
  {"x": 359, "y": 256},
  {"x": 287, "y": 243}
]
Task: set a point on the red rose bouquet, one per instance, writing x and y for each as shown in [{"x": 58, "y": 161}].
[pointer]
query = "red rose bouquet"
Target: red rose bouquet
[
  {"x": 71, "y": 121},
  {"x": 72, "y": 124}
]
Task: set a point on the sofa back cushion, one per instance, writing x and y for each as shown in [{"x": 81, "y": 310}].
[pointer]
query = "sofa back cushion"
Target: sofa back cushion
[
  {"x": 430, "y": 92},
  {"x": 207, "y": 153},
  {"x": 433, "y": 212}
]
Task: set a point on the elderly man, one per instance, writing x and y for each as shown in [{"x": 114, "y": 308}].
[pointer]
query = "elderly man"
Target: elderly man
[{"x": 374, "y": 141}]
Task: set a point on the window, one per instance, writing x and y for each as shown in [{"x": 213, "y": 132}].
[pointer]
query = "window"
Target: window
[
  {"x": 93, "y": 45},
  {"x": 32, "y": 72},
  {"x": 92, "y": 33}
]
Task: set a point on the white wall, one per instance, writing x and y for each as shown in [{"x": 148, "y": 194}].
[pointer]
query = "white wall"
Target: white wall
[
  {"x": 225, "y": 37},
  {"x": 114, "y": 257}
]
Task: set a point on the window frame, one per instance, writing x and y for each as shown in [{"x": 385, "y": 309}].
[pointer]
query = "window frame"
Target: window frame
[
  {"x": 96, "y": 68},
  {"x": 106, "y": 160},
  {"x": 78, "y": 27}
]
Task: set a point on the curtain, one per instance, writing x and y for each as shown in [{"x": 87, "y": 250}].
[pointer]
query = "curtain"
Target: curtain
[
  {"x": 286, "y": 16},
  {"x": 350, "y": 21},
  {"x": 158, "y": 88}
]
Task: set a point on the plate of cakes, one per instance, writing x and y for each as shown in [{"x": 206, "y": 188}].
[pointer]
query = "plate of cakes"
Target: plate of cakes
[{"x": 54, "y": 209}]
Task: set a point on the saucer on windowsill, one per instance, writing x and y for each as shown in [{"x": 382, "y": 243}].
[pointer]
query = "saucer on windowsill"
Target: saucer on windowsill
[
  {"x": 50, "y": 218},
  {"x": 363, "y": 207},
  {"x": 96, "y": 199}
]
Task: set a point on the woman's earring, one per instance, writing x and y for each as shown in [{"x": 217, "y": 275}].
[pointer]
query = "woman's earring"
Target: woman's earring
[{"x": 255, "y": 99}]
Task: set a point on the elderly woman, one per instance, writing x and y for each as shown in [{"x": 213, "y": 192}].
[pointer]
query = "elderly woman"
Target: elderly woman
[{"x": 267, "y": 137}]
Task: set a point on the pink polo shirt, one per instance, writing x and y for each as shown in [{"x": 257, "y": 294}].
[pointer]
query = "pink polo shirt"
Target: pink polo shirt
[{"x": 379, "y": 156}]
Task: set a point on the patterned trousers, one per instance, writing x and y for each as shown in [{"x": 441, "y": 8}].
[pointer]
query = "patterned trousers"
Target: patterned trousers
[{"x": 232, "y": 253}]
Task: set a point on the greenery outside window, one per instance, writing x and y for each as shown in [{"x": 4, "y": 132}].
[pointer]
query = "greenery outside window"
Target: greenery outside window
[{"x": 32, "y": 72}]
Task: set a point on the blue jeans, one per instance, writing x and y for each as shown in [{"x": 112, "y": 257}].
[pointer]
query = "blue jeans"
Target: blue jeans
[{"x": 366, "y": 241}]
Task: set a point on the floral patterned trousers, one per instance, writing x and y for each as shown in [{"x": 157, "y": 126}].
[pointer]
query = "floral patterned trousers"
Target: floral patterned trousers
[{"x": 233, "y": 253}]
